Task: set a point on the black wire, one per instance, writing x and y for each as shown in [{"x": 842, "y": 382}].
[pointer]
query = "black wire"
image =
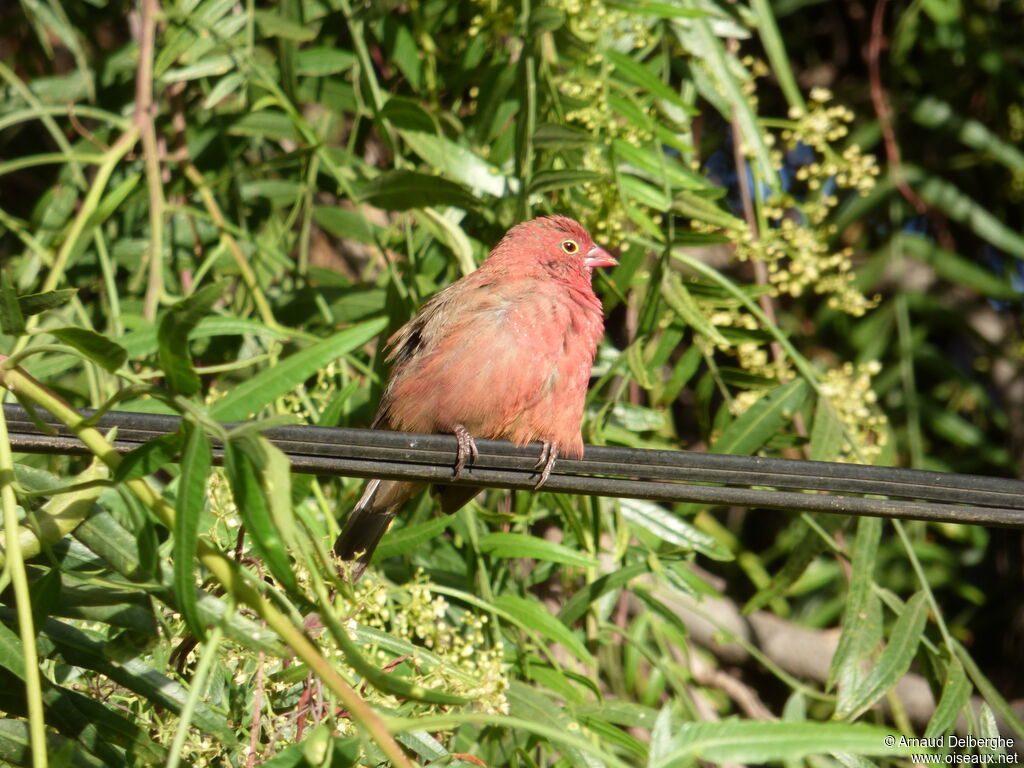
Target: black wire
[{"x": 644, "y": 474}]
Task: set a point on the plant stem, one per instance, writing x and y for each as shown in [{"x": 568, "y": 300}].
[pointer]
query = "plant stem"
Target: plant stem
[{"x": 15, "y": 568}]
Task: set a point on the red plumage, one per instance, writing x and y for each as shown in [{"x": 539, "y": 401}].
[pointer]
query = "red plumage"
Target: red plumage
[{"x": 505, "y": 352}]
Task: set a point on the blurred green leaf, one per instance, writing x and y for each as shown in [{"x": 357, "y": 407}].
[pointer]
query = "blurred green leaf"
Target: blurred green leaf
[
  {"x": 12, "y": 321},
  {"x": 34, "y": 303},
  {"x": 669, "y": 527},
  {"x": 108, "y": 354},
  {"x": 400, "y": 190},
  {"x": 254, "y": 510},
  {"x": 274, "y": 382},
  {"x": 190, "y": 502},
  {"x": 172, "y": 336},
  {"x": 752, "y": 429},
  {"x": 895, "y": 659},
  {"x": 532, "y": 616},
  {"x": 516, "y": 545}
]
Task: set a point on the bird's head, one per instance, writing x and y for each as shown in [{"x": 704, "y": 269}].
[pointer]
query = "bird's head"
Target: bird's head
[{"x": 556, "y": 244}]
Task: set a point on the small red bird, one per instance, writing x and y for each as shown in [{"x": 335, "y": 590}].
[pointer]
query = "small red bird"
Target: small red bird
[{"x": 504, "y": 352}]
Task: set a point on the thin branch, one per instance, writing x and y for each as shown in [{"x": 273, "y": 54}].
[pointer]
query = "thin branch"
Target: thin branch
[{"x": 143, "y": 118}]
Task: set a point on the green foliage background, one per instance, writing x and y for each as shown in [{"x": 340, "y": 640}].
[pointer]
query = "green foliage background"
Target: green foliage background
[{"x": 222, "y": 210}]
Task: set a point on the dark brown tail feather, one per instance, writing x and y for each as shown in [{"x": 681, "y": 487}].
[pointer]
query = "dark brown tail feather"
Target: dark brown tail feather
[{"x": 369, "y": 521}]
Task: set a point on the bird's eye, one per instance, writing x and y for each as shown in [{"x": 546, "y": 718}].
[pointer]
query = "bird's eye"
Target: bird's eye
[{"x": 570, "y": 246}]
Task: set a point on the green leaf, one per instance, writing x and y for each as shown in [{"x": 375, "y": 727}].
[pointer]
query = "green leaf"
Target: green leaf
[
  {"x": 862, "y": 619},
  {"x": 108, "y": 354},
  {"x": 409, "y": 537},
  {"x": 113, "y": 199},
  {"x": 172, "y": 337},
  {"x": 676, "y": 295},
  {"x": 578, "y": 604},
  {"x": 726, "y": 90},
  {"x": 265, "y": 124},
  {"x": 894, "y": 661},
  {"x": 955, "y": 268},
  {"x": 671, "y": 528},
  {"x": 558, "y": 137},
  {"x": 274, "y": 471},
  {"x": 638, "y": 74},
  {"x": 956, "y": 692},
  {"x": 516, "y": 545},
  {"x": 34, "y": 303},
  {"x": 696, "y": 207},
  {"x": 144, "y": 341},
  {"x": 958, "y": 206},
  {"x": 401, "y": 190},
  {"x": 456, "y": 162},
  {"x": 660, "y": 10},
  {"x": 943, "y": 11},
  {"x": 255, "y": 513},
  {"x": 149, "y": 457},
  {"x": 532, "y": 616},
  {"x": 191, "y": 500},
  {"x": 547, "y": 181},
  {"x": 403, "y": 112},
  {"x": 274, "y": 25},
  {"x": 763, "y": 419},
  {"x": 828, "y": 433},
  {"x": 933, "y": 113},
  {"x": 12, "y": 321},
  {"x": 659, "y": 166},
  {"x": 320, "y": 61},
  {"x": 753, "y": 741},
  {"x": 348, "y": 225},
  {"x": 248, "y": 397},
  {"x": 544, "y": 18},
  {"x": 643, "y": 193}
]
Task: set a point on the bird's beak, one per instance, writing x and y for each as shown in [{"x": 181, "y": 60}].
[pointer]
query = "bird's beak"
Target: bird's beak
[{"x": 599, "y": 257}]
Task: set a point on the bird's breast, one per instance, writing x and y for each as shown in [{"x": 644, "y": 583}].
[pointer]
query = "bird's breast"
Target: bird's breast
[{"x": 517, "y": 368}]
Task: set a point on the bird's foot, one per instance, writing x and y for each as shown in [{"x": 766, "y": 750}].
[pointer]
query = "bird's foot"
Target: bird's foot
[
  {"x": 466, "y": 450},
  {"x": 548, "y": 454}
]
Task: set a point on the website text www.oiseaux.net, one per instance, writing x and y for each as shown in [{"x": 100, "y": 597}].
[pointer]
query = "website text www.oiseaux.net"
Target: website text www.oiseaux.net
[{"x": 1008, "y": 756}]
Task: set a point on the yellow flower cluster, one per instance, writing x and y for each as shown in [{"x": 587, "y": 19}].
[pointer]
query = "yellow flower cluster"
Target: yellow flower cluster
[
  {"x": 793, "y": 239},
  {"x": 469, "y": 666},
  {"x": 848, "y": 389},
  {"x": 752, "y": 356}
]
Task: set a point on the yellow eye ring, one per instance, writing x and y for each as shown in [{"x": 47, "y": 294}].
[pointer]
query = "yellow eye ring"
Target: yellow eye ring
[{"x": 570, "y": 246}]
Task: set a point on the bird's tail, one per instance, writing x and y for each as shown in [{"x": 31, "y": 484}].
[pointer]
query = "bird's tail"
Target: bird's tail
[{"x": 369, "y": 521}]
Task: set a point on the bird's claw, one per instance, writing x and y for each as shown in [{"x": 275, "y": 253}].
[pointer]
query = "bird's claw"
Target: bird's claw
[
  {"x": 548, "y": 454},
  {"x": 466, "y": 449}
]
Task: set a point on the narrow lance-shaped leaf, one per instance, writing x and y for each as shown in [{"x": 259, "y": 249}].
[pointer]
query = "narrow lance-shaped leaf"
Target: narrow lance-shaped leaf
[
  {"x": 34, "y": 303},
  {"x": 401, "y": 189},
  {"x": 753, "y": 429},
  {"x": 108, "y": 354},
  {"x": 956, "y": 692},
  {"x": 148, "y": 457},
  {"x": 255, "y": 512},
  {"x": 172, "y": 337},
  {"x": 192, "y": 484},
  {"x": 11, "y": 320},
  {"x": 683, "y": 304},
  {"x": 862, "y": 628},
  {"x": 532, "y": 616},
  {"x": 894, "y": 661},
  {"x": 515, "y": 545},
  {"x": 827, "y": 433},
  {"x": 264, "y": 387}
]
